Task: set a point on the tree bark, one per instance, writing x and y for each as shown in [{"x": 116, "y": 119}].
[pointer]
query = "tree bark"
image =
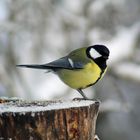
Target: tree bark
[{"x": 48, "y": 120}]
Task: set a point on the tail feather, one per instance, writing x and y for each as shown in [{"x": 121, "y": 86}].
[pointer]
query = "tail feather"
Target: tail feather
[{"x": 34, "y": 66}]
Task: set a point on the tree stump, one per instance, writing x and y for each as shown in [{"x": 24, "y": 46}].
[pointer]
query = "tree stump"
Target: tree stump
[{"x": 48, "y": 120}]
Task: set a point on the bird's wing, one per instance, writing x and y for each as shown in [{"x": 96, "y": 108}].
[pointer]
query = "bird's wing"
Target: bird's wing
[
  {"x": 62, "y": 63},
  {"x": 65, "y": 63}
]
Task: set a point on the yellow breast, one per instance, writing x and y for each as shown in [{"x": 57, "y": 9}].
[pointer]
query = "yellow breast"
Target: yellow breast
[{"x": 80, "y": 78}]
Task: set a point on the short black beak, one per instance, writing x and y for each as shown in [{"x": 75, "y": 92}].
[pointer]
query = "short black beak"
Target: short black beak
[{"x": 105, "y": 57}]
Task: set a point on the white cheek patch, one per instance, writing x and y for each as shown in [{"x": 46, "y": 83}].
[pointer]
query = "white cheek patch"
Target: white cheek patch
[
  {"x": 94, "y": 54},
  {"x": 71, "y": 62}
]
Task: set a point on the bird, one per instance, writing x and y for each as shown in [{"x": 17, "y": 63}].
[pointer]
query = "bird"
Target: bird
[{"x": 81, "y": 68}]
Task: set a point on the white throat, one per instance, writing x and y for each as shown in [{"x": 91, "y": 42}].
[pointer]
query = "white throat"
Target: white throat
[{"x": 94, "y": 54}]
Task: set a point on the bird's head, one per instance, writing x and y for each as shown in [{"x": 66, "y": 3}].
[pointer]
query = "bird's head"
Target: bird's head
[{"x": 99, "y": 54}]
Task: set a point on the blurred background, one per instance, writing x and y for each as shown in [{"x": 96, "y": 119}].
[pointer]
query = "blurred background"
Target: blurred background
[{"x": 40, "y": 31}]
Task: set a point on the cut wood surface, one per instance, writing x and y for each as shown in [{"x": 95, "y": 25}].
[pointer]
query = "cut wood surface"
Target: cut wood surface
[{"x": 48, "y": 120}]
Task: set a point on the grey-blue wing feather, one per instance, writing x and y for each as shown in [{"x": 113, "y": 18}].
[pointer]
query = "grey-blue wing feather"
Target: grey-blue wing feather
[{"x": 64, "y": 63}]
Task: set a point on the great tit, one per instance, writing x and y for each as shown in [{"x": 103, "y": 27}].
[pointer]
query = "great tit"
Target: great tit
[{"x": 81, "y": 68}]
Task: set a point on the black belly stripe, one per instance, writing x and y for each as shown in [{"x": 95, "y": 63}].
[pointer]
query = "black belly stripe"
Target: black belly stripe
[
  {"x": 101, "y": 62},
  {"x": 96, "y": 80}
]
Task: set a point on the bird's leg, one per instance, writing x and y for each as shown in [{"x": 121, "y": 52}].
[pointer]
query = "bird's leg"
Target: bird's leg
[{"x": 82, "y": 93}]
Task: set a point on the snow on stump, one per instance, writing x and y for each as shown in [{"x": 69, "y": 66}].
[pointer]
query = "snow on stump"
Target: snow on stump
[{"x": 48, "y": 120}]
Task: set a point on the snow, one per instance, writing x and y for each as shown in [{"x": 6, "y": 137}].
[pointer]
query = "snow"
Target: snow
[
  {"x": 9, "y": 99},
  {"x": 23, "y": 107}
]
